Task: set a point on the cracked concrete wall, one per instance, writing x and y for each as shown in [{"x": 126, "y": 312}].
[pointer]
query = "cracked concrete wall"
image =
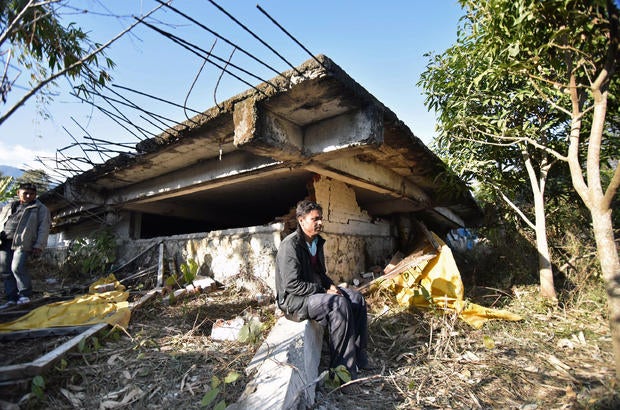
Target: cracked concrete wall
[
  {"x": 354, "y": 241},
  {"x": 220, "y": 254}
]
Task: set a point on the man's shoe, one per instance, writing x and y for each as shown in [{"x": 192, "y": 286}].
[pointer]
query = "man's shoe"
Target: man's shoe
[
  {"x": 23, "y": 300},
  {"x": 8, "y": 304},
  {"x": 367, "y": 365}
]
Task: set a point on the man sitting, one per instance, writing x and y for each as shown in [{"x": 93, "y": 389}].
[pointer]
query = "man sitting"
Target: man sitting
[{"x": 304, "y": 291}]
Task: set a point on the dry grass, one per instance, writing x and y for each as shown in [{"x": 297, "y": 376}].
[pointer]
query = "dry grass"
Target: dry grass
[
  {"x": 165, "y": 360},
  {"x": 556, "y": 358}
]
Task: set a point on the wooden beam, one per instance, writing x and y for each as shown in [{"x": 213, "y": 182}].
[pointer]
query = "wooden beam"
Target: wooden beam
[
  {"x": 160, "y": 266},
  {"x": 48, "y": 332},
  {"x": 43, "y": 363},
  {"x": 372, "y": 177},
  {"x": 199, "y": 178}
]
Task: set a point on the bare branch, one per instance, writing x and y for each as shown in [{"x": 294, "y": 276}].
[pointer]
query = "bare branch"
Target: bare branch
[
  {"x": 546, "y": 149},
  {"x": 513, "y": 141},
  {"x": 62, "y": 72},
  {"x": 513, "y": 206},
  {"x": 611, "y": 190}
]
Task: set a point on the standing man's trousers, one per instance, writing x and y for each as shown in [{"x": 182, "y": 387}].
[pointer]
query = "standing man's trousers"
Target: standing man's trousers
[{"x": 14, "y": 272}]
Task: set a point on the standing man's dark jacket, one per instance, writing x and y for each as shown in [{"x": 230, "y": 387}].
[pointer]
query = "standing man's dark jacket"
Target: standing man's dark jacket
[{"x": 296, "y": 279}]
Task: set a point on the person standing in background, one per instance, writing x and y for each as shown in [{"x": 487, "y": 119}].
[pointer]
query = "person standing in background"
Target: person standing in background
[{"x": 24, "y": 228}]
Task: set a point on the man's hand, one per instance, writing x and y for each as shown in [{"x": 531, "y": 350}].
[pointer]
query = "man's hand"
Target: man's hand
[{"x": 333, "y": 290}]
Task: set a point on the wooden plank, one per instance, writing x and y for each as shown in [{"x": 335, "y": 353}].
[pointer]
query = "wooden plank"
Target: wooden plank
[
  {"x": 43, "y": 363},
  {"x": 411, "y": 261},
  {"x": 47, "y": 332},
  {"x": 22, "y": 371},
  {"x": 144, "y": 298},
  {"x": 142, "y": 272},
  {"x": 160, "y": 266},
  {"x": 429, "y": 236}
]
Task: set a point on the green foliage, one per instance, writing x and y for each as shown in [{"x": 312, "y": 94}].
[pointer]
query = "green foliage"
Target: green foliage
[
  {"x": 8, "y": 185},
  {"x": 8, "y": 190},
  {"x": 218, "y": 386},
  {"x": 251, "y": 331},
  {"x": 89, "y": 345},
  {"x": 38, "y": 177},
  {"x": 337, "y": 377},
  {"x": 209, "y": 397},
  {"x": 515, "y": 91},
  {"x": 501, "y": 89},
  {"x": 42, "y": 45},
  {"x": 62, "y": 365},
  {"x": 427, "y": 296},
  {"x": 505, "y": 256},
  {"x": 189, "y": 270},
  {"x": 92, "y": 255},
  {"x": 38, "y": 387}
]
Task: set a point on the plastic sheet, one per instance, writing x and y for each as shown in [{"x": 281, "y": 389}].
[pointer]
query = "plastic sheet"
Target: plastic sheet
[
  {"x": 110, "y": 307},
  {"x": 437, "y": 284}
]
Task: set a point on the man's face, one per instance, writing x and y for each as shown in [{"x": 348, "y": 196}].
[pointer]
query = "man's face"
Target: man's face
[
  {"x": 26, "y": 195},
  {"x": 311, "y": 223}
]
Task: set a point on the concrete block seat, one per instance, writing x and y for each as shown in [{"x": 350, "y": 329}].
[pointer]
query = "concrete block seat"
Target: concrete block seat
[{"x": 286, "y": 366}]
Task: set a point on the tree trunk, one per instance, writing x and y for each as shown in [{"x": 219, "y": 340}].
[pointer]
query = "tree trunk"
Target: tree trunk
[
  {"x": 610, "y": 267},
  {"x": 545, "y": 272},
  {"x": 597, "y": 201},
  {"x": 547, "y": 288}
]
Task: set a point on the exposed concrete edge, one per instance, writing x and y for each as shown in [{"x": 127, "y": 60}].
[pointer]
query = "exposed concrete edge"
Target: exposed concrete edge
[{"x": 285, "y": 367}]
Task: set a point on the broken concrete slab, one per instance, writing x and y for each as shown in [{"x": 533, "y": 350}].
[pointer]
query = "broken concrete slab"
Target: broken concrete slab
[
  {"x": 286, "y": 367},
  {"x": 227, "y": 329}
]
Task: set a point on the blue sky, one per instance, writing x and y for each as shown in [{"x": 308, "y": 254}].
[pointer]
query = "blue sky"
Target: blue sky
[{"x": 379, "y": 44}]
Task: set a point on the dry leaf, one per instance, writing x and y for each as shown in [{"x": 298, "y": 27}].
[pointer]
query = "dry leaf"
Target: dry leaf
[
  {"x": 74, "y": 399},
  {"x": 113, "y": 359},
  {"x": 135, "y": 394},
  {"x": 488, "y": 342},
  {"x": 565, "y": 343},
  {"x": 109, "y": 404}
]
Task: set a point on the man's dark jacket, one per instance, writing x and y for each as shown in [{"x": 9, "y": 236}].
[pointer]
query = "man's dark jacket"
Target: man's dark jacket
[{"x": 295, "y": 277}]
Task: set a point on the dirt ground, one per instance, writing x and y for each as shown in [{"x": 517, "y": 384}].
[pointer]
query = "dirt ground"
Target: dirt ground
[{"x": 556, "y": 358}]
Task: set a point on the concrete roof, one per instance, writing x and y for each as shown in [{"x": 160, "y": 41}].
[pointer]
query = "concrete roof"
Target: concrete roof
[{"x": 261, "y": 147}]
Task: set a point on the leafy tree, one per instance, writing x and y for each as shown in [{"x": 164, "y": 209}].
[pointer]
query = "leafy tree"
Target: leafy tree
[
  {"x": 7, "y": 189},
  {"x": 34, "y": 39},
  {"x": 37, "y": 177},
  {"x": 37, "y": 41},
  {"x": 91, "y": 255},
  {"x": 530, "y": 83}
]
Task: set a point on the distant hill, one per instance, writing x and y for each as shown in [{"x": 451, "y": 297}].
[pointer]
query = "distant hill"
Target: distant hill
[{"x": 9, "y": 171}]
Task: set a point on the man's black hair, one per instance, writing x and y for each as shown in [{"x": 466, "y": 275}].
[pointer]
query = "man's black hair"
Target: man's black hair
[
  {"x": 27, "y": 186},
  {"x": 306, "y": 206}
]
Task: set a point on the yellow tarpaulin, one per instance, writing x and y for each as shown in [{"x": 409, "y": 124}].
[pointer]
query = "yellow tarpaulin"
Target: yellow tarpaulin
[
  {"x": 439, "y": 284},
  {"x": 110, "y": 307}
]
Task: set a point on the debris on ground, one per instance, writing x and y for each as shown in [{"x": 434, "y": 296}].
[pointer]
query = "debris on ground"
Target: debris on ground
[{"x": 557, "y": 357}]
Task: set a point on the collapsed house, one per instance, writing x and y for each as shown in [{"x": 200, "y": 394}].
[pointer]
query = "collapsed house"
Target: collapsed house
[{"x": 221, "y": 188}]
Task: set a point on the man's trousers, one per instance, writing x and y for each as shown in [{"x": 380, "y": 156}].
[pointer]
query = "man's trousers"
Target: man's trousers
[{"x": 346, "y": 320}]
